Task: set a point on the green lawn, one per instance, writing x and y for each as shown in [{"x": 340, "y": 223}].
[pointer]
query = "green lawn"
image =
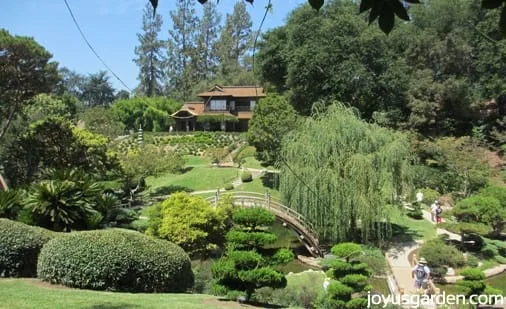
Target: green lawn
[
  {"x": 32, "y": 293},
  {"x": 200, "y": 177},
  {"x": 406, "y": 229},
  {"x": 257, "y": 186},
  {"x": 197, "y": 161}
]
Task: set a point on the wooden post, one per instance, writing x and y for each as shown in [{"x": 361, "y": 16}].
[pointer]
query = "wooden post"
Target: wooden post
[
  {"x": 216, "y": 198},
  {"x": 268, "y": 199}
]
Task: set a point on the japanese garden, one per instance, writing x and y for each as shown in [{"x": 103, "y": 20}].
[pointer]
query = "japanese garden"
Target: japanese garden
[{"x": 310, "y": 164}]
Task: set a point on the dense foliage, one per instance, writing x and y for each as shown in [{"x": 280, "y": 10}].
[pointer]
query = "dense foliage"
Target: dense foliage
[
  {"x": 452, "y": 165},
  {"x": 190, "y": 222},
  {"x": 342, "y": 185},
  {"x": 149, "y": 160},
  {"x": 273, "y": 118},
  {"x": 246, "y": 176},
  {"x": 25, "y": 71},
  {"x": 440, "y": 256},
  {"x": 20, "y": 245},
  {"x": 117, "y": 260},
  {"x": 430, "y": 75},
  {"x": 152, "y": 114},
  {"x": 473, "y": 283},
  {"x": 243, "y": 268},
  {"x": 349, "y": 284},
  {"x": 56, "y": 143},
  {"x": 45, "y": 105},
  {"x": 10, "y": 203},
  {"x": 487, "y": 208},
  {"x": 102, "y": 120}
]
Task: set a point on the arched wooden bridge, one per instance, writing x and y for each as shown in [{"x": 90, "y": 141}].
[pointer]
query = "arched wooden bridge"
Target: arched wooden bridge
[{"x": 289, "y": 217}]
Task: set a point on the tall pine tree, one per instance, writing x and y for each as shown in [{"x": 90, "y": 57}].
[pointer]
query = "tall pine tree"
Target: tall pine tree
[
  {"x": 207, "y": 42},
  {"x": 150, "y": 56},
  {"x": 236, "y": 39},
  {"x": 182, "y": 51}
]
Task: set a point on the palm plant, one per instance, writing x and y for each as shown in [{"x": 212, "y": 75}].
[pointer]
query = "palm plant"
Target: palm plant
[
  {"x": 10, "y": 204},
  {"x": 64, "y": 203}
]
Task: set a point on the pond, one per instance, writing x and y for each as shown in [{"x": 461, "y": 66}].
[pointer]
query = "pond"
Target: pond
[
  {"x": 288, "y": 239},
  {"x": 498, "y": 282}
]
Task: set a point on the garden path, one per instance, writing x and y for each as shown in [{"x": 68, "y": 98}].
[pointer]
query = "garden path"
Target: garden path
[{"x": 398, "y": 259}]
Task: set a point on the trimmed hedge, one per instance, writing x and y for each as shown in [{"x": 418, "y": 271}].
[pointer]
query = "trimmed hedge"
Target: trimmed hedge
[
  {"x": 246, "y": 176},
  {"x": 117, "y": 260},
  {"x": 20, "y": 245}
]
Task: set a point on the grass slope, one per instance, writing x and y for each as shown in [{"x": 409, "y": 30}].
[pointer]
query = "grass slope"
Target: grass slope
[
  {"x": 32, "y": 293},
  {"x": 197, "y": 178},
  {"x": 407, "y": 229}
]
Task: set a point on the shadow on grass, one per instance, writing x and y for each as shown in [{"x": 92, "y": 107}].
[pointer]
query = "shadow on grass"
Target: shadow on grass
[
  {"x": 270, "y": 180},
  {"x": 250, "y": 303},
  {"x": 113, "y": 306},
  {"x": 186, "y": 169}
]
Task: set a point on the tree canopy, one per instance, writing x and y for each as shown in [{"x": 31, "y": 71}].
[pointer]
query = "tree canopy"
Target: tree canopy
[
  {"x": 385, "y": 11},
  {"x": 438, "y": 74},
  {"x": 25, "y": 71},
  {"x": 273, "y": 118}
]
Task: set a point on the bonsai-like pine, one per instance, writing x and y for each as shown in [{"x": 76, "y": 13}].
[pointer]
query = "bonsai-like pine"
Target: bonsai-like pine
[
  {"x": 243, "y": 268},
  {"x": 349, "y": 278}
]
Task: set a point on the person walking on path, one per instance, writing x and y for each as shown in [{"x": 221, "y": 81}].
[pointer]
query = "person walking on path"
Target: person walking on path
[
  {"x": 439, "y": 211},
  {"x": 433, "y": 208},
  {"x": 421, "y": 274}
]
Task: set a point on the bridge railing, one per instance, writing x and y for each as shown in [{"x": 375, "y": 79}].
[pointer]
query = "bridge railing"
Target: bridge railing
[{"x": 267, "y": 201}]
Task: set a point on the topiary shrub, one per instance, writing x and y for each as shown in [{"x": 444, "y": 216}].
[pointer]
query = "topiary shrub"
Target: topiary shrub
[
  {"x": 347, "y": 250},
  {"x": 246, "y": 177},
  {"x": 117, "y": 260},
  {"x": 416, "y": 214},
  {"x": 229, "y": 186},
  {"x": 20, "y": 245},
  {"x": 440, "y": 255}
]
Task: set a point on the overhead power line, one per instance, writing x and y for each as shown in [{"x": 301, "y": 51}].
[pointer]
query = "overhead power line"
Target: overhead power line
[{"x": 91, "y": 47}]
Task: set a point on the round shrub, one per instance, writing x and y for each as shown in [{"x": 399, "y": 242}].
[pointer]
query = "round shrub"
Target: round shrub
[
  {"x": 117, "y": 260},
  {"x": 472, "y": 274},
  {"x": 439, "y": 256},
  {"x": 429, "y": 195},
  {"x": 246, "y": 177},
  {"x": 229, "y": 186},
  {"x": 20, "y": 245}
]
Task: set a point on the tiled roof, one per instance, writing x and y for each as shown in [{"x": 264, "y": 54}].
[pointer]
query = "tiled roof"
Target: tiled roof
[
  {"x": 194, "y": 108},
  {"x": 234, "y": 91}
]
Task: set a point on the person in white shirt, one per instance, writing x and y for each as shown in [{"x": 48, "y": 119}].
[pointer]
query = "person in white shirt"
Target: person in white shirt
[{"x": 433, "y": 208}]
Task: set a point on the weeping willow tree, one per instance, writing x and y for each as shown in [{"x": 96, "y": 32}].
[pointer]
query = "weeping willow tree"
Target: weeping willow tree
[{"x": 343, "y": 174}]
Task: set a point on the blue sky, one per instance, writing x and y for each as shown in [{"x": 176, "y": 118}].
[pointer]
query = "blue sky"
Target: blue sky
[{"x": 111, "y": 26}]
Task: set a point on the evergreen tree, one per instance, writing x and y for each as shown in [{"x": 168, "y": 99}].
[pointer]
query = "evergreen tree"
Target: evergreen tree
[
  {"x": 207, "y": 42},
  {"x": 97, "y": 90},
  {"x": 149, "y": 54},
  {"x": 236, "y": 39},
  {"x": 182, "y": 51}
]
